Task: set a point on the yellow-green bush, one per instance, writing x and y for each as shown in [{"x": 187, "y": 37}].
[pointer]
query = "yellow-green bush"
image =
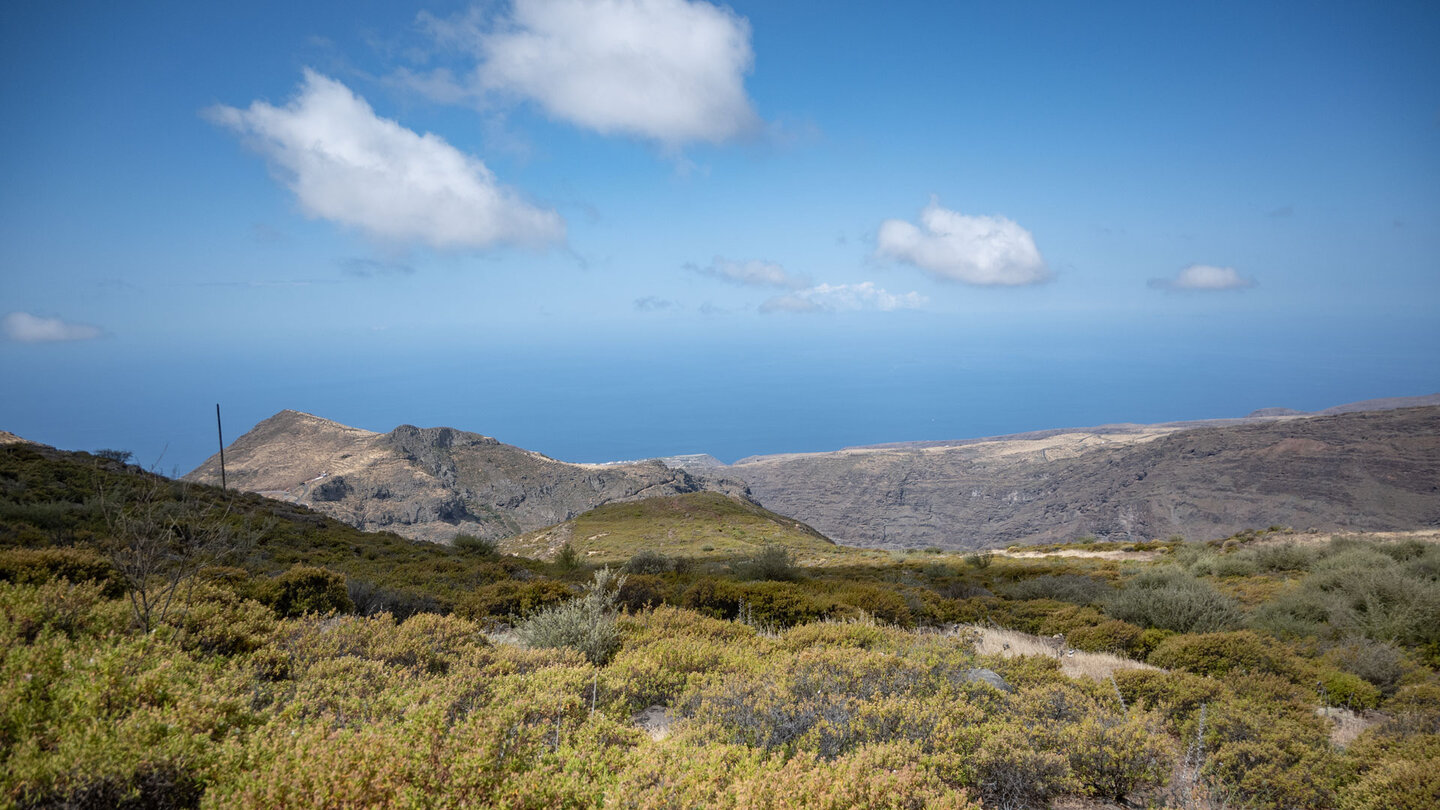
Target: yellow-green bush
[
  {"x": 1108, "y": 636},
  {"x": 307, "y": 589},
  {"x": 1395, "y": 785},
  {"x": 881, "y": 603},
  {"x": 1219, "y": 654},
  {"x": 512, "y": 599},
  {"x": 33, "y": 566}
]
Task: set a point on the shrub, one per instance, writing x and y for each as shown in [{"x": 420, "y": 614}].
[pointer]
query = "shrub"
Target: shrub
[
  {"x": 713, "y": 597},
  {"x": 307, "y": 589},
  {"x": 371, "y": 600},
  {"x": 1219, "y": 654},
  {"x": 773, "y": 562},
  {"x": 567, "y": 559},
  {"x": 1072, "y": 588},
  {"x": 1111, "y": 755},
  {"x": 1379, "y": 662},
  {"x": 1395, "y": 785},
  {"x": 475, "y": 546},
  {"x": 980, "y": 560},
  {"x": 1375, "y": 597},
  {"x": 642, "y": 591},
  {"x": 649, "y": 561},
  {"x": 1170, "y": 599},
  {"x": 512, "y": 599},
  {"x": 1109, "y": 636},
  {"x": 586, "y": 625},
  {"x": 779, "y": 604},
  {"x": 220, "y": 622},
  {"x": 25, "y": 566},
  {"x": 1350, "y": 691},
  {"x": 881, "y": 603},
  {"x": 1284, "y": 557},
  {"x": 1013, "y": 773}
]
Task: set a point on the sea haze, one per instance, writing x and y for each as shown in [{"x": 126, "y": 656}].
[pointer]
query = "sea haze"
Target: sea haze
[{"x": 603, "y": 396}]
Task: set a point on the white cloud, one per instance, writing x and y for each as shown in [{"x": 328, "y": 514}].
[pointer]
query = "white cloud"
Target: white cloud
[
  {"x": 842, "y": 298},
  {"x": 22, "y": 327},
  {"x": 667, "y": 70},
  {"x": 348, "y": 165},
  {"x": 1204, "y": 277},
  {"x": 991, "y": 251},
  {"x": 752, "y": 273}
]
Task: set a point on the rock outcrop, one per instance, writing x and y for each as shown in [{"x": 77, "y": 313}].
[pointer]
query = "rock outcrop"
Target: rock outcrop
[{"x": 432, "y": 483}]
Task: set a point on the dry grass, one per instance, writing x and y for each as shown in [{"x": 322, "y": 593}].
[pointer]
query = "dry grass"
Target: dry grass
[
  {"x": 1074, "y": 663},
  {"x": 1347, "y": 725}
]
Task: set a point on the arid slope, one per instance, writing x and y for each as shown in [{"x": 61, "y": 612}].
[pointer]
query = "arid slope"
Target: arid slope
[
  {"x": 1371, "y": 470},
  {"x": 431, "y": 483}
]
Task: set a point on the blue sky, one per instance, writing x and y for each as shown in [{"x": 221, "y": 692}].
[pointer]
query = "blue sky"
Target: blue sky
[{"x": 620, "y": 229}]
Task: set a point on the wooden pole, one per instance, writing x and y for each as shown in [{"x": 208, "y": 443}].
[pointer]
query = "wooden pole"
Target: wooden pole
[{"x": 219, "y": 433}]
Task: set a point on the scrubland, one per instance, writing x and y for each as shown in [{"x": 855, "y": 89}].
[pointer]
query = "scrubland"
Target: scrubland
[{"x": 286, "y": 660}]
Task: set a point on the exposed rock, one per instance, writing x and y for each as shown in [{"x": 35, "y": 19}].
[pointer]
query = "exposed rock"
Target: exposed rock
[
  {"x": 432, "y": 483},
  {"x": 1374, "y": 470},
  {"x": 990, "y": 677}
]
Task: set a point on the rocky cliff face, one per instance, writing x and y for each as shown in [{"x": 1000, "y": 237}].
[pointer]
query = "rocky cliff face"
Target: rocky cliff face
[
  {"x": 432, "y": 483},
  {"x": 1373, "y": 470}
]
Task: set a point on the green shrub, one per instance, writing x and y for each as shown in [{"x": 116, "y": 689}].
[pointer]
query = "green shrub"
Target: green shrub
[
  {"x": 475, "y": 546},
  {"x": 642, "y": 591},
  {"x": 980, "y": 560},
  {"x": 512, "y": 599},
  {"x": 219, "y": 622},
  {"x": 1350, "y": 691},
  {"x": 1170, "y": 599},
  {"x": 712, "y": 597},
  {"x": 371, "y": 600},
  {"x": 779, "y": 604},
  {"x": 1109, "y": 636},
  {"x": 1112, "y": 755},
  {"x": 1073, "y": 588},
  {"x": 586, "y": 624},
  {"x": 567, "y": 559},
  {"x": 881, "y": 603},
  {"x": 773, "y": 562},
  {"x": 307, "y": 589},
  {"x": 1376, "y": 598},
  {"x": 1220, "y": 654},
  {"x": 1395, "y": 785},
  {"x": 1284, "y": 557},
  {"x": 649, "y": 561},
  {"x": 1013, "y": 773},
  {"x": 25, "y": 566}
]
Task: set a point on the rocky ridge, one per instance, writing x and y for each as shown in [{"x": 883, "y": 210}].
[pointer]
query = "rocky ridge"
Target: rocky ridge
[
  {"x": 432, "y": 483},
  {"x": 1350, "y": 470}
]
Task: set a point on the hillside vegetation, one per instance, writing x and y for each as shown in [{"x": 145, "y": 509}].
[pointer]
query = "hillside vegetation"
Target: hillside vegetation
[
  {"x": 288, "y": 660},
  {"x": 700, "y": 525}
]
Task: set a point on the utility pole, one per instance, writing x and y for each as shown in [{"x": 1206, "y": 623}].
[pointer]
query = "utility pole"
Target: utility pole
[{"x": 219, "y": 433}]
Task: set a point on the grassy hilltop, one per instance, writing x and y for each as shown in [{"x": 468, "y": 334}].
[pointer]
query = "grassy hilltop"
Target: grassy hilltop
[{"x": 288, "y": 660}]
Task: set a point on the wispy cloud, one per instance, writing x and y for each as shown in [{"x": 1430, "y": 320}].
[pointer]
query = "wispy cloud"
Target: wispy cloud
[
  {"x": 981, "y": 250},
  {"x": 671, "y": 71},
  {"x": 842, "y": 298},
  {"x": 651, "y": 303},
  {"x": 1203, "y": 278},
  {"x": 348, "y": 165},
  {"x": 751, "y": 273},
  {"x": 22, "y": 327},
  {"x": 370, "y": 268}
]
